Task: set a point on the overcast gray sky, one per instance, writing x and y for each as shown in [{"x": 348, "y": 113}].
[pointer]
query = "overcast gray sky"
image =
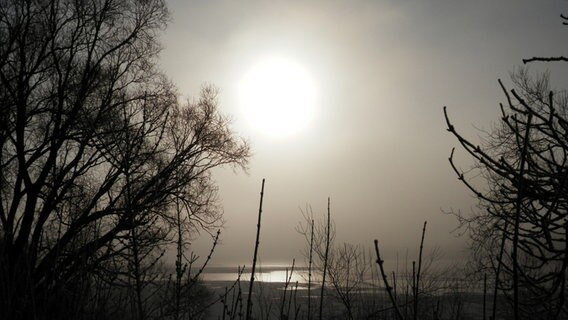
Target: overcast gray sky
[{"x": 377, "y": 145}]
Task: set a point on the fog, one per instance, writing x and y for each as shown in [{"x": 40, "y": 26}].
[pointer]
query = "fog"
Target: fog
[{"x": 378, "y": 146}]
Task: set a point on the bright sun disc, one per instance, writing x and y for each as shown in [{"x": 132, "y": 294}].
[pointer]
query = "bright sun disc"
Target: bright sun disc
[{"x": 278, "y": 97}]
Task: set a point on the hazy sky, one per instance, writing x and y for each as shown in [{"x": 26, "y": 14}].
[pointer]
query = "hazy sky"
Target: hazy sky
[{"x": 377, "y": 145}]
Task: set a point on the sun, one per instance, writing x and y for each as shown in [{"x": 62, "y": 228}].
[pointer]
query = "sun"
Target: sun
[{"x": 278, "y": 97}]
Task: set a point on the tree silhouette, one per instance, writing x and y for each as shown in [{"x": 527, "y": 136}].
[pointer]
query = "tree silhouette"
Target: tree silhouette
[
  {"x": 94, "y": 146},
  {"x": 520, "y": 229}
]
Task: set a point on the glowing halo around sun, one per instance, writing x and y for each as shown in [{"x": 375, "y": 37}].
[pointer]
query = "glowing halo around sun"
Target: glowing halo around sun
[{"x": 278, "y": 97}]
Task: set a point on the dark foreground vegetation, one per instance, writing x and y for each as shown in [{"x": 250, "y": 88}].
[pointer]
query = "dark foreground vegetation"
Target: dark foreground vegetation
[{"x": 102, "y": 170}]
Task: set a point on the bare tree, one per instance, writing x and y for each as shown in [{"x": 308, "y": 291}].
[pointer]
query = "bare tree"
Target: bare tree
[
  {"x": 520, "y": 230},
  {"x": 319, "y": 235},
  {"x": 349, "y": 271},
  {"x": 94, "y": 145}
]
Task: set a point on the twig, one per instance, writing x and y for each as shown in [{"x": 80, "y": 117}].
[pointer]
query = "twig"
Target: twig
[
  {"x": 326, "y": 256},
  {"x": 542, "y": 59},
  {"x": 418, "y": 273},
  {"x": 288, "y": 279},
  {"x": 310, "y": 271},
  {"x": 498, "y": 272},
  {"x": 518, "y": 219},
  {"x": 257, "y": 242},
  {"x": 385, "y": 280},
  {"x": 209, "y": 256}
]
